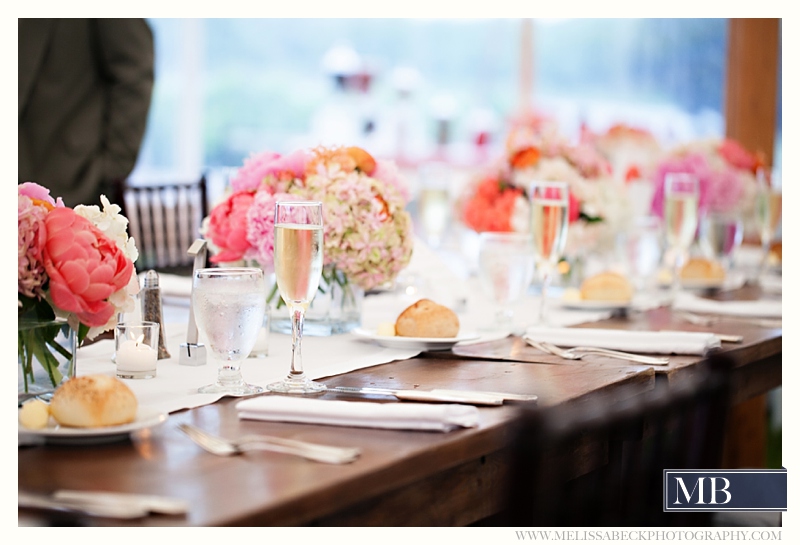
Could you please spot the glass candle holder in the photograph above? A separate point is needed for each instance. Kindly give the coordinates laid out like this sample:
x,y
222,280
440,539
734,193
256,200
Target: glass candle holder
x,y
136,352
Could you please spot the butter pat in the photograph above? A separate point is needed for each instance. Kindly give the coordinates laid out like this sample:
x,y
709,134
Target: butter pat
x,y
572,294
34,414
386,329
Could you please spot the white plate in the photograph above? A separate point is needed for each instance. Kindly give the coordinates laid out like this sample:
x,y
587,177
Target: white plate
x,y
55,433
580,304
420,343
700,284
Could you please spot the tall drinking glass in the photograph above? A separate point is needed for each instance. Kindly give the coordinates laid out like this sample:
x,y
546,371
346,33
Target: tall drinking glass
x,y
549,220
505,270
298,268
228,306
681,199
769,202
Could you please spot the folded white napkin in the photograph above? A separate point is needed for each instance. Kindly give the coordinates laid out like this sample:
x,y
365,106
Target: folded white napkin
x,y
173,285
766,308
401,416
653,342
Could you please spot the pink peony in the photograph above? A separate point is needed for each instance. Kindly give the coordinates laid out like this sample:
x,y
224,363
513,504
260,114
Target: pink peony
x,y
262,165
31,275
85,267
38,193
227,227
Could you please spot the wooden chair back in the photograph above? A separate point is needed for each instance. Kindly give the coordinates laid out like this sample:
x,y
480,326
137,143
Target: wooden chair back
x,y
165,219
676,427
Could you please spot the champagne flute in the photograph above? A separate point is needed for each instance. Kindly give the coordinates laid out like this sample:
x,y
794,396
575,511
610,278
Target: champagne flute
x,y
549,221
228,306
505,270
769,202
681,209
298,268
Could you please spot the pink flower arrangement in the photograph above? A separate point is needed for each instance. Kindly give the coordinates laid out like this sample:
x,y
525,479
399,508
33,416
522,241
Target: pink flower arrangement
x,y
368,233
724,169
74,264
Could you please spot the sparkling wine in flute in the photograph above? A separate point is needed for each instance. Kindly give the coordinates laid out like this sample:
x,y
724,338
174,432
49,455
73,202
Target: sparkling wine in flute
x,y
298,262
550,220
434,213
680,218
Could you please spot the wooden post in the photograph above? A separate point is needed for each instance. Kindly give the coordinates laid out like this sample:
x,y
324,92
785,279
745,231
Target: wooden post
x,y
752,83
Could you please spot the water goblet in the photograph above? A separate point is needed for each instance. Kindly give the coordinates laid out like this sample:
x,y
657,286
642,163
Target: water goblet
x,y
549,221
228,306
298,268
721,235
681,200
505,270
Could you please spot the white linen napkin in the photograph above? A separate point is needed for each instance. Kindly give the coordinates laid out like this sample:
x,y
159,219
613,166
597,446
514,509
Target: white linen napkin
x,y
766,308
401,416
653,342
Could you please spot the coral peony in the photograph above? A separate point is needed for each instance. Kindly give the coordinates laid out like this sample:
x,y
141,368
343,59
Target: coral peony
x,y
226,228
85,267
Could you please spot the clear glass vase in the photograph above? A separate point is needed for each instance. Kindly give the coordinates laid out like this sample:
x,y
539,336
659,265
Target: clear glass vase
x,y
336,308
45,356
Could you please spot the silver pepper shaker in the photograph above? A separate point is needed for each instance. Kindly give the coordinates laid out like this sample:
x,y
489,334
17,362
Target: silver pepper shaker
x,y
151,310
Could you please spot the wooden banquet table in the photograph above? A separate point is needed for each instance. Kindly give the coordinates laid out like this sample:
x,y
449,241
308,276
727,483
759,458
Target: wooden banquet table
x,y
403,478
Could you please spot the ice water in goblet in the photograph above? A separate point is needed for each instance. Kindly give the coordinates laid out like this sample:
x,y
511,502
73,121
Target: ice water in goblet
x,y
721,235
298,268
549,220
505,270
228,306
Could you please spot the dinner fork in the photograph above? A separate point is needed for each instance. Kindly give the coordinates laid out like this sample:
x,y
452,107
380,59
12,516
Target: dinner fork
x,y
312,451
577,352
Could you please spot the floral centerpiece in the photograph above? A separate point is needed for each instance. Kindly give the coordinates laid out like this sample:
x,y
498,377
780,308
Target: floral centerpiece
x,y
598,205
725,170
74,265
368,237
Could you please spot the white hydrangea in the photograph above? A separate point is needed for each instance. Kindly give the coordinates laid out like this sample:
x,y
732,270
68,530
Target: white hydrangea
x,y
113,224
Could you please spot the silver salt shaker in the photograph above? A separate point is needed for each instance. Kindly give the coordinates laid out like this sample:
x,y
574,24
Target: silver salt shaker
x,y
151,309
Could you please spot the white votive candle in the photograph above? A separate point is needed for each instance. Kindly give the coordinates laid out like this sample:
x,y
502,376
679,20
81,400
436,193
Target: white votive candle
x,y
136,356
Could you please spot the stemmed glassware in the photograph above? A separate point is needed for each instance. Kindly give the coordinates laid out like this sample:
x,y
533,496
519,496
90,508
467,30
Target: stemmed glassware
x,y
769,202
505,269
228,306
549,221
298,268
681,203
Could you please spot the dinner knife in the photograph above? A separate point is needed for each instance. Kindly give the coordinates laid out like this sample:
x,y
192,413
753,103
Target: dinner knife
x,y
151,503
448,396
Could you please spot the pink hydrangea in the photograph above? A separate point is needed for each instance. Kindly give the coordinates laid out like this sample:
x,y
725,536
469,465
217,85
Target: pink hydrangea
x,y
260,226
720,189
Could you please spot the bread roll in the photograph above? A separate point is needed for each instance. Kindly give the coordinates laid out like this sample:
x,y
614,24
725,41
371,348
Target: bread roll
x,y
427,319
700,268
607,286
93,401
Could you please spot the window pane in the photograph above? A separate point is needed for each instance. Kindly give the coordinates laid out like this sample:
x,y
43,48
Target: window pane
x,y
229,87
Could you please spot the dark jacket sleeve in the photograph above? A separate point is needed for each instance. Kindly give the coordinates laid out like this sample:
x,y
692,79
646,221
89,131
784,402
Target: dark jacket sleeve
x,y
127,62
